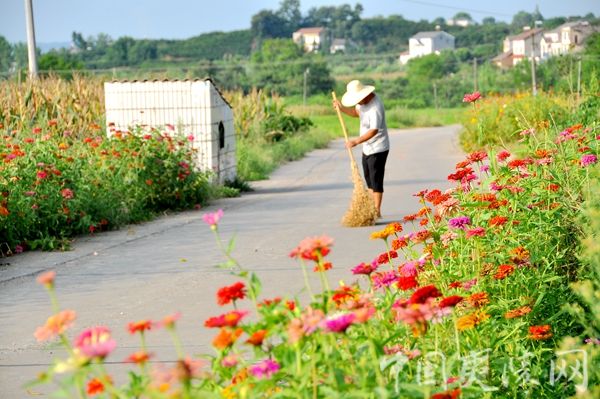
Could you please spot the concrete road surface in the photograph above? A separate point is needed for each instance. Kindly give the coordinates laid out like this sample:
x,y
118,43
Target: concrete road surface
x,y
151,270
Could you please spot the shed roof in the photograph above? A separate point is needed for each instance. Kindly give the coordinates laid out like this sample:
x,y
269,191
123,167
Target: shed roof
x,y
174,80
430,34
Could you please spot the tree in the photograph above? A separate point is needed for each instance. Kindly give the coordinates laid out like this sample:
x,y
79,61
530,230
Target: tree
x,y
289,11
279,65
6,55
78,41
268,25
463,15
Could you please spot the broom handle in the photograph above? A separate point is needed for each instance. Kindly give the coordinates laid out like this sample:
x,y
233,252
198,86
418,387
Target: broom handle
x,y
339,114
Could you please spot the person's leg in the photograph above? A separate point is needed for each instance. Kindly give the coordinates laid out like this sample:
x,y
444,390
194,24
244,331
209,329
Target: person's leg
x,y
377,173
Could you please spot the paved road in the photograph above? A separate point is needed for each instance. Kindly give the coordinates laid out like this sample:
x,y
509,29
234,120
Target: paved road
x,y
150,270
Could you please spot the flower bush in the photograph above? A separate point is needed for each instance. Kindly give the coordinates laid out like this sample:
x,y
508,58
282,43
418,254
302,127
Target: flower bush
x,y
472,296
55,184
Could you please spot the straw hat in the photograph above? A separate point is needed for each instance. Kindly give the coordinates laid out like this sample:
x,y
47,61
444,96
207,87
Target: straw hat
x,y
355,93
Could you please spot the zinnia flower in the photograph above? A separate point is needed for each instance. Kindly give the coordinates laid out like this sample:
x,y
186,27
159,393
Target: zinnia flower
x,y
139,357
424,293
364,268
518,312
540,332
212,218
588,159
478,299
94,387
47,278
503,272
257,338
226,337
230,319
95,342
139,326
476,232
407,282
67,193
338,323
231,293
460,222
471,97
311,248
471,320
55,325
450,301
264,369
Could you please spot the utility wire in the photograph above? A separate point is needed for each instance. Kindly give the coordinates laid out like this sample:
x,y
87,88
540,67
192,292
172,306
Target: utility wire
x,y
427,3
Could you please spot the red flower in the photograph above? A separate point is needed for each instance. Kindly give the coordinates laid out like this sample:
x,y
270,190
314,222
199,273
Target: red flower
x,y
398,243
450,301
498,221
540,332
503,272
94,387
453,394
424,293
139,326
477,156
407,282
231,293
386,257
502,155
471,97
230,319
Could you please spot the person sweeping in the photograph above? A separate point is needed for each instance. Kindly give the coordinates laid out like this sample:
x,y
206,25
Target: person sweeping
x,y
360,101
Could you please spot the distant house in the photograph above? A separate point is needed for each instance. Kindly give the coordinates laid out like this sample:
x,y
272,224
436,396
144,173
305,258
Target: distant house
x,y
338,46
425,43
310,39
566,38
464,22
516,48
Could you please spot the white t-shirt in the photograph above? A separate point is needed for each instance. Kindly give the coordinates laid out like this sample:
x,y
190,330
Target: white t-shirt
x,y
372,116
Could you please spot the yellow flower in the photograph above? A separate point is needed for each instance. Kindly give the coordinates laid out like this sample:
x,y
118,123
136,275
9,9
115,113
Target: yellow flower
x,y
471,320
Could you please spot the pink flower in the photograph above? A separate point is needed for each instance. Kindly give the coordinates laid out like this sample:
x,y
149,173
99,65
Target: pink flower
x,y
264,369
588,159
19,249
383,279
95,342
408,269
67,193
212,218
477,231
42,174
313,248
230,361
460,222
339,323
468,284
471,97
363,268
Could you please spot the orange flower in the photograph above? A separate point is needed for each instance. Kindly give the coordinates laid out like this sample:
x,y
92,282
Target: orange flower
x,y
55,325
498,221
311,248
230,319
4,211
344,294
503,272
478,299
47,278
257,338
139,357
518,312
520,255
139,326
225,338
540,332
471,320
453,394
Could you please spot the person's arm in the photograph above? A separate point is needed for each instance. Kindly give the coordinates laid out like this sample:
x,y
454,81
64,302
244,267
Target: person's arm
x,y
348,111
362,138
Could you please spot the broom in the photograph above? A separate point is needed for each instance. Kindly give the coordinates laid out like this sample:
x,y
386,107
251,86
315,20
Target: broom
x,y
362,211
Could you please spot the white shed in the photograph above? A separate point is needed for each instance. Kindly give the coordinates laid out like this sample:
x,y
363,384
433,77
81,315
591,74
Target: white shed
x,y
190,107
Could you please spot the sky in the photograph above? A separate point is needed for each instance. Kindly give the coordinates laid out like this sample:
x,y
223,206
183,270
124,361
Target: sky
x,y
55,20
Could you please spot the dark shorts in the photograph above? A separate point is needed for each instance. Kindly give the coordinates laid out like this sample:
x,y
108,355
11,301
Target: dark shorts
x,y
373,169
